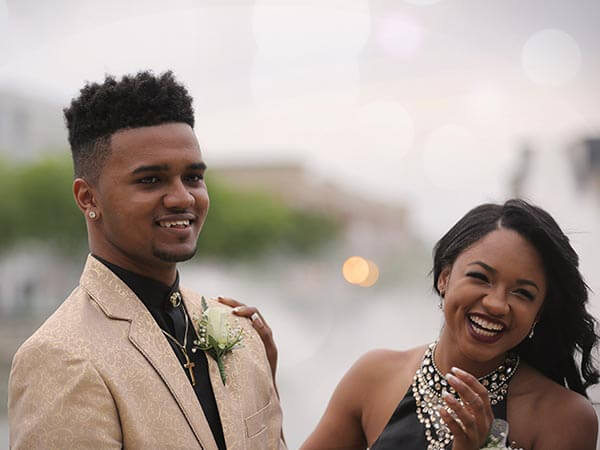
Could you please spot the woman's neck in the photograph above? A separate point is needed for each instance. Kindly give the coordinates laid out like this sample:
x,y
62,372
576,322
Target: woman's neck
x,y
447,354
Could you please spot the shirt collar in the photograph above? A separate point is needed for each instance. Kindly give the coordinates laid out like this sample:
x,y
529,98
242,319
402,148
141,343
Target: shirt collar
x,y
152,293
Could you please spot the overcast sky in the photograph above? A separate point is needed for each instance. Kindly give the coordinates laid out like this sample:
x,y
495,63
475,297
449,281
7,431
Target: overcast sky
x,y
422,102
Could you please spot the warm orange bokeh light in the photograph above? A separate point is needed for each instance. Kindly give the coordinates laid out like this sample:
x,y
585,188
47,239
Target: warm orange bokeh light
x,y
360,271
373,275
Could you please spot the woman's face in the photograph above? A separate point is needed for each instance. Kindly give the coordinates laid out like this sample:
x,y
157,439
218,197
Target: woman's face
x,y
492,295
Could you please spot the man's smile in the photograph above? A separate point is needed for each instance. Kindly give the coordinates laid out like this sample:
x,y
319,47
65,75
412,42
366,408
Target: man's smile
x,y
176,221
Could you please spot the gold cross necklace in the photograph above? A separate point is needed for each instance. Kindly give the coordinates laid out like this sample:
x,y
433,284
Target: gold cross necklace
x,y
189,365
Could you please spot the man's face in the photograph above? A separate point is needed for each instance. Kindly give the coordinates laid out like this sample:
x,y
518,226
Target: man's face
x,y
151,198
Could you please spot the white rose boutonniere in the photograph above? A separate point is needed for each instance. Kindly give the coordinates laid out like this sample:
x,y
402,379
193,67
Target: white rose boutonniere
x,y
217,336
496,439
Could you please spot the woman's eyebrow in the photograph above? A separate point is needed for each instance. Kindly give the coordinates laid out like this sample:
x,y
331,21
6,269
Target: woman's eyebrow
x,y
492,270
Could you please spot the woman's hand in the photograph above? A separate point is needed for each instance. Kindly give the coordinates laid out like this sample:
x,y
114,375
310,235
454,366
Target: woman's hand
x,y
474,415
260,325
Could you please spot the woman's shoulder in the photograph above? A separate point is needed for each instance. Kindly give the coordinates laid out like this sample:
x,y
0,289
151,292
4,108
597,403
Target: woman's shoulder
x,y
376,367
380,363
564,416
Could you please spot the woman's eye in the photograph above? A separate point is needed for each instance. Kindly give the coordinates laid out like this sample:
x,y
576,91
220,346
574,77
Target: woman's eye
x,y
524,293
479,276
149,180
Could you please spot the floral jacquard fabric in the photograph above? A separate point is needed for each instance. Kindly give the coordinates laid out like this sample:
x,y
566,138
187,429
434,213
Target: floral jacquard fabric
x,y
100,374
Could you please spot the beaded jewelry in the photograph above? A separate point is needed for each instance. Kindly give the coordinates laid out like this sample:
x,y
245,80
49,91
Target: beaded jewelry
x,y
429,383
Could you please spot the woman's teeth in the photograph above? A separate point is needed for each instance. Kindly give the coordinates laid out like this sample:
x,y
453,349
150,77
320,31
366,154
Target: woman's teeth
x,y
485,327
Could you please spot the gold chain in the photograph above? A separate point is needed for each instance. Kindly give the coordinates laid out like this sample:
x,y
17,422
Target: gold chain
x,y
189,365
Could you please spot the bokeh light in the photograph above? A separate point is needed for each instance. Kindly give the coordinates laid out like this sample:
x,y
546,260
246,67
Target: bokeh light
x,y
399,35
551,57
373,275
360,271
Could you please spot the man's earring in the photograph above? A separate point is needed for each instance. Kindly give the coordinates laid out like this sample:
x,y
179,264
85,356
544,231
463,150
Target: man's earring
x,y
92,215
530,335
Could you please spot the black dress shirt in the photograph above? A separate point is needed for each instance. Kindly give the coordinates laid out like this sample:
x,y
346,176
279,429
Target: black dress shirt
x,y
156,297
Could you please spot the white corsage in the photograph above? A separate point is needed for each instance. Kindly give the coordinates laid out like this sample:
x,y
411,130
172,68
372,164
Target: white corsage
x,y
216,335
496,439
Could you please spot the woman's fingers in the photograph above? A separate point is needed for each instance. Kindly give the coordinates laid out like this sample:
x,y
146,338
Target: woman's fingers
x,y
259,324
472,415
478,393
229,302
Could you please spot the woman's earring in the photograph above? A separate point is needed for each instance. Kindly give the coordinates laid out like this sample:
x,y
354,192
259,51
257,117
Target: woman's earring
x,y
442,294
530,335
92,215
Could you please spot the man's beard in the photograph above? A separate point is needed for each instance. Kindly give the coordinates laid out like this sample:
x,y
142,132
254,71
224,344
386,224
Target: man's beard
x,y
172,257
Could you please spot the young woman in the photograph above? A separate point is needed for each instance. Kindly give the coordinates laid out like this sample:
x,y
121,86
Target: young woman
x,y
515,314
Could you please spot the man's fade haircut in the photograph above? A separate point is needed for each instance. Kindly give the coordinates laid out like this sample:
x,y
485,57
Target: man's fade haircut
x,y
101,110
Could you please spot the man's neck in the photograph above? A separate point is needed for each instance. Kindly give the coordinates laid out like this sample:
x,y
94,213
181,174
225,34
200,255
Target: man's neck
x,y
161,271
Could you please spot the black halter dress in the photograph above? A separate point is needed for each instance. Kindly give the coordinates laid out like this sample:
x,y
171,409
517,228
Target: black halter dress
x,y
404,431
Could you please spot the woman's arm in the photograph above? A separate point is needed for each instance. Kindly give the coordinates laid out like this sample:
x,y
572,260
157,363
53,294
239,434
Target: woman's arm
x,y
341,424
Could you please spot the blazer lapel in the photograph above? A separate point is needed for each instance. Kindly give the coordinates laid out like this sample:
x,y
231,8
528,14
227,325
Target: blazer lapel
x,y
227,395
118,302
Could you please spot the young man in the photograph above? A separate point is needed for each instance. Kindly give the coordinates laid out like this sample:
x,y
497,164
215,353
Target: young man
x,y
115,366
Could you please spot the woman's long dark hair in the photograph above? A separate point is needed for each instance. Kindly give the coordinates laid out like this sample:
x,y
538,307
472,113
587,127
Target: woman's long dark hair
x,y
565,327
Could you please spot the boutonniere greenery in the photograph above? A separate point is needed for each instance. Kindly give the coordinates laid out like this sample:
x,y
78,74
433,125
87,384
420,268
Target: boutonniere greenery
x,y
217,335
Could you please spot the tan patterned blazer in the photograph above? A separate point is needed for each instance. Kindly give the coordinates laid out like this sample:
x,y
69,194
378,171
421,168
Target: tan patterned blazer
x,y
100,374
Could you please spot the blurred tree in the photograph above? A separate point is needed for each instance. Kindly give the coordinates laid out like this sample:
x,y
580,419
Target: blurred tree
x,y
243,224
36,204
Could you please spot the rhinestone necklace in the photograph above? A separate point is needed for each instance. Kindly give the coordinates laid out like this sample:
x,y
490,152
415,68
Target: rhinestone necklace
x,y
429,383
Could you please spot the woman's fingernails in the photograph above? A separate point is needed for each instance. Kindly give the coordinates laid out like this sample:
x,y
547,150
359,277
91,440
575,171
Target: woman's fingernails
x,y
259,323
237,309
458,371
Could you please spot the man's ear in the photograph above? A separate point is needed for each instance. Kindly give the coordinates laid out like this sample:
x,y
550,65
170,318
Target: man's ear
x,y
442,281
85,198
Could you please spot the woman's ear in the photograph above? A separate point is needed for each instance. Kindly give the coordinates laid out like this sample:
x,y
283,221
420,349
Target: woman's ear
x,y
442,281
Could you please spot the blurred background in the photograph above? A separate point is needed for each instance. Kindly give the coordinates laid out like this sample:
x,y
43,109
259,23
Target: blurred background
x,y
332,129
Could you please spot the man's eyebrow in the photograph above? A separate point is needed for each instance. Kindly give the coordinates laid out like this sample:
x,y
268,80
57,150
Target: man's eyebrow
x,y
197,166
165,167
151,168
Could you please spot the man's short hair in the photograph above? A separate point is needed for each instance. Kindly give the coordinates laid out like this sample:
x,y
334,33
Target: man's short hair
x,y
139,100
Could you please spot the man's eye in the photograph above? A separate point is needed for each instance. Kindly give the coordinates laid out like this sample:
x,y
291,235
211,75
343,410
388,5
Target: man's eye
x,y
195,178
479,276
149,180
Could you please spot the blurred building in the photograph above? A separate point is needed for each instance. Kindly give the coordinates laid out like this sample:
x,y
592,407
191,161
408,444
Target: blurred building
x,y
585,158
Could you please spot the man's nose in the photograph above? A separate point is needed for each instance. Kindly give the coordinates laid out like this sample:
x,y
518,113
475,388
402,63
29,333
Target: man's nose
x,y
178,196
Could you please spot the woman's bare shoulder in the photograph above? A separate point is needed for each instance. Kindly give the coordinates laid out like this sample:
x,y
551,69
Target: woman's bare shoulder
x,y
379,363
565,418
365,384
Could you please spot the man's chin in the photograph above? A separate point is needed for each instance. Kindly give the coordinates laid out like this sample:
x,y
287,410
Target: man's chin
x,y
172,256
